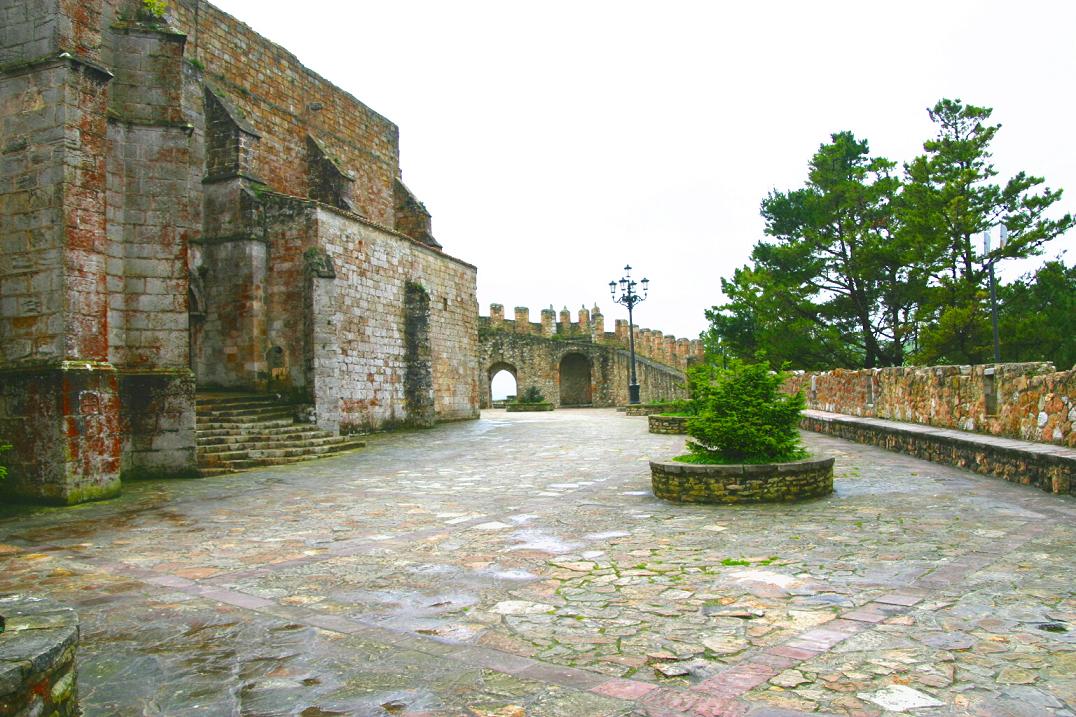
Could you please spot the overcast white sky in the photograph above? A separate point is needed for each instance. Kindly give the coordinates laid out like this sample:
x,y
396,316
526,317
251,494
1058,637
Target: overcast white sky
x,y
554,142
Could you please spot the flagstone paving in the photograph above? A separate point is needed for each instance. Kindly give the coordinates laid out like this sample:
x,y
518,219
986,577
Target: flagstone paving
x,y
519,565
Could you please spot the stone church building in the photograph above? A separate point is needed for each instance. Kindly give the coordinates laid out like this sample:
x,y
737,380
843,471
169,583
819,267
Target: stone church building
x,y
183,205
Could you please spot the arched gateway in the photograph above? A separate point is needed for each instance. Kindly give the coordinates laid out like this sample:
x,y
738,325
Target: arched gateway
x,y
575,386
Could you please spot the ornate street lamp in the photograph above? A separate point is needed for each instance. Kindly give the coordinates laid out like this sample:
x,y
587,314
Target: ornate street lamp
x,y
629,298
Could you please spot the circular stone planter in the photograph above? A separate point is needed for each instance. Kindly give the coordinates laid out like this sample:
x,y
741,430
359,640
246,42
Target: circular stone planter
x,y
748,483
668,424
527,407
37,658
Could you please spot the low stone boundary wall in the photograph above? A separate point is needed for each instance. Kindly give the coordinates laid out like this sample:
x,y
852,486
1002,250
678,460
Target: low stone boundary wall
x,y
1023,401
765,483
668,424
1047,467
527,407
37,658
645,409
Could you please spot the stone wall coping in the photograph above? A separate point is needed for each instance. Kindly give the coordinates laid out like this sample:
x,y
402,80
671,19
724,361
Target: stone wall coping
x,y
951,435
748,470
36,634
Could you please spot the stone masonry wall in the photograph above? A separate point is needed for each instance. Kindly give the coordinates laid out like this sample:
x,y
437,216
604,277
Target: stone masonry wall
x,y
372,269
284,102
1029,401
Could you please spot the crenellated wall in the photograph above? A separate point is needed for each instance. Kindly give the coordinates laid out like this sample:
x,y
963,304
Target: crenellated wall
x,y
578,362
590,325
1029,401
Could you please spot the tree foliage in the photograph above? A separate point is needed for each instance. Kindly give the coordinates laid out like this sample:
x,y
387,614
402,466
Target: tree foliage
x,y
744,417
862,267
1038,317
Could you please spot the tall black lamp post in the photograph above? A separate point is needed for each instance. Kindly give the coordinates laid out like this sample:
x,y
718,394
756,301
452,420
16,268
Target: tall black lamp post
x,y
629,298
993,287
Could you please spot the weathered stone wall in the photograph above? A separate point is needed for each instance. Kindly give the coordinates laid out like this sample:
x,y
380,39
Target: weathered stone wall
x,y
179,193
1029,401
535,360
285,102
372,268
37,658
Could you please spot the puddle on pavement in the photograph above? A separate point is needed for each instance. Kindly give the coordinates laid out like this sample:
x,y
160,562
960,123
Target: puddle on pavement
x,y
542,543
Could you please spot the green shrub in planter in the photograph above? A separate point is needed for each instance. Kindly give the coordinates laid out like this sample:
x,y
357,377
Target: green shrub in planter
x,y
531,395
743,417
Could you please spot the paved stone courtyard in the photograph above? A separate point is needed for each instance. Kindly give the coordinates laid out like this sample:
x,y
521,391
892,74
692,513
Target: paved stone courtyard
x,y
518,565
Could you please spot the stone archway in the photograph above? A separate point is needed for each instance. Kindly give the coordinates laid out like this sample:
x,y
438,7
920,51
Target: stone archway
x,y
494,370
575,380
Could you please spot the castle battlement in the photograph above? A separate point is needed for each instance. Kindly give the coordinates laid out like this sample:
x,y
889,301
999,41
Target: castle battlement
x,y
589,325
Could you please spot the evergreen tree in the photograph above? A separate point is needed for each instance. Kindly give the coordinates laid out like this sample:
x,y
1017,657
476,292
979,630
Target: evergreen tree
x,y
949,199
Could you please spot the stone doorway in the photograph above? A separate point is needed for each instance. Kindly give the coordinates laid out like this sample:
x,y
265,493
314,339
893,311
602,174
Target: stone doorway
x,y
575,386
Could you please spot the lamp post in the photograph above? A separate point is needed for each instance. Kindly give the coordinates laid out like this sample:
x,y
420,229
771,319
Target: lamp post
x,y
1004,235
629,298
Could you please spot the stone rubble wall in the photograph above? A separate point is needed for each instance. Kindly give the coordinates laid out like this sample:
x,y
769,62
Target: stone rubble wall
x,y
1027,401
1048,468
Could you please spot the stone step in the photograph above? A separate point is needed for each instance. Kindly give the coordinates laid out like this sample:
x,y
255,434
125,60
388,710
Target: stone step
x,y
231,457
247,463
262,410
230,399
325,439
238,437
250,426
252,431
276,414
242,431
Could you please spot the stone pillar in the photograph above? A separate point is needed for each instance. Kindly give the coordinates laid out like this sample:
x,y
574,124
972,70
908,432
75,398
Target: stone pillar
x,y
549,320
669,351
59,402
657,343
621,329
565,325
496,315
523,319
584,320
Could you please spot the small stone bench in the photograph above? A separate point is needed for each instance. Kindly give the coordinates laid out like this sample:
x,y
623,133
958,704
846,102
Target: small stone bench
x,y
1046,466
37,658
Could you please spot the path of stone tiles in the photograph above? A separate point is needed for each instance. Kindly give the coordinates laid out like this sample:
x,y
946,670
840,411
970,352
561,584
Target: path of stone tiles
x,y
519,565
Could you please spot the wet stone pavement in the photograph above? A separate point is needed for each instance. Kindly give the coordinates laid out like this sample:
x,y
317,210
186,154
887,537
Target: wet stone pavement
x,y
519,565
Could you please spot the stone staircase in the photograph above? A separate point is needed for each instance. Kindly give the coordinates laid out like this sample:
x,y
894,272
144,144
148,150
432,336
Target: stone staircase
x,y
240,431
